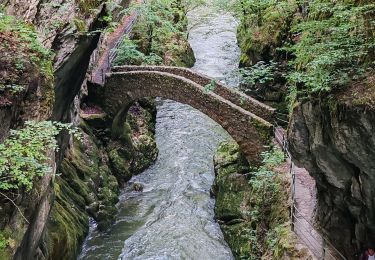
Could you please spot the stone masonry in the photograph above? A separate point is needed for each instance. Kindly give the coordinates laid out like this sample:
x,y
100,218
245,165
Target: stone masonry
x,y
244,118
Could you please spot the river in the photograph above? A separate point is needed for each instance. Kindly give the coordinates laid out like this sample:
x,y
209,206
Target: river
x,y
173,218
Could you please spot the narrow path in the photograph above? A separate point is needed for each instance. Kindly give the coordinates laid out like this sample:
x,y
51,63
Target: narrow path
x,y
113,41
304,207
304,202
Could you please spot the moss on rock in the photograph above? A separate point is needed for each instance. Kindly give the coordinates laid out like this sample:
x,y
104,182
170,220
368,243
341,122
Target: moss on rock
x,y
252,206
67,227
85,188
232,193
239,237
90,175
119,158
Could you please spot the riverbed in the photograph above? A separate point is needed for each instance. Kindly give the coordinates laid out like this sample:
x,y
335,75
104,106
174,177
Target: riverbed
x,y
173,217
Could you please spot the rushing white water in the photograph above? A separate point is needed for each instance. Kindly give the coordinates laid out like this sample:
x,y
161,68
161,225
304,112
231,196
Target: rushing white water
x,y
213,39
173,218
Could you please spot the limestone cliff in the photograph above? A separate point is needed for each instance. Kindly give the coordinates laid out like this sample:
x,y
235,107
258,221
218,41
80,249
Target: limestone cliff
x,y
333,138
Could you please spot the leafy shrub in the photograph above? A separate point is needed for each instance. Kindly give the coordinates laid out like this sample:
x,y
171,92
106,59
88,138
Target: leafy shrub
x,y
268,196
86,6
280,240
3,242
333,46
159,34
273,157
20,47
210,86
265,183
28,38
128,54
23,155
261,72
262,27
329,44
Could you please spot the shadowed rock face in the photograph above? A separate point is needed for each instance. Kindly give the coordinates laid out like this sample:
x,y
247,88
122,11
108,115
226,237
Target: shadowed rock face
x,y
56,30
249,130
337,146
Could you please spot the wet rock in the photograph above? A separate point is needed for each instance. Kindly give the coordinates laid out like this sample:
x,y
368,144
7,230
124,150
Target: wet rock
x,y
137,186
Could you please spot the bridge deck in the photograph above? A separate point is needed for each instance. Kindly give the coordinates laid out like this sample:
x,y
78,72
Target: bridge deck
x,y
236,97
247,126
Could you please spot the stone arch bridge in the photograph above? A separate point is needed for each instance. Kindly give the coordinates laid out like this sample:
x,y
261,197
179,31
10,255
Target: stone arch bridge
x,y
244,118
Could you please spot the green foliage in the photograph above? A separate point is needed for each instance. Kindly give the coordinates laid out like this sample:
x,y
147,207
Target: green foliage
x,y
280,240
272,157
335,42
261,202
291,98
3,242
261,72
86,6
262,26
267,196
13,88
159,33
23,155
266,190
79,24
210,86
128,54
23,37
330,43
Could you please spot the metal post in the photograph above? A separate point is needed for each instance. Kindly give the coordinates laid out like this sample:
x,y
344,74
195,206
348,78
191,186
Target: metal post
x,y
324,245
293,193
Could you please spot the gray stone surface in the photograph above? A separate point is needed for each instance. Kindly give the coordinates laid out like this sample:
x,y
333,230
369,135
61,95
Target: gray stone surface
x,y
336,144
249,130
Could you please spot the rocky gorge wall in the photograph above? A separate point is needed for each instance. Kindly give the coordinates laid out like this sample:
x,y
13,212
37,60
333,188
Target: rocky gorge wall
x,y
90,171
334,140
331,128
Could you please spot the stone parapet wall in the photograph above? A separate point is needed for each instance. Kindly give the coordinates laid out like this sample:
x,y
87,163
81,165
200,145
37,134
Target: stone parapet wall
x,y
122,89
236,97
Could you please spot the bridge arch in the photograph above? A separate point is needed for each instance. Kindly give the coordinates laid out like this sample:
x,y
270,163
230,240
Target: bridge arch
x,y
122,89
